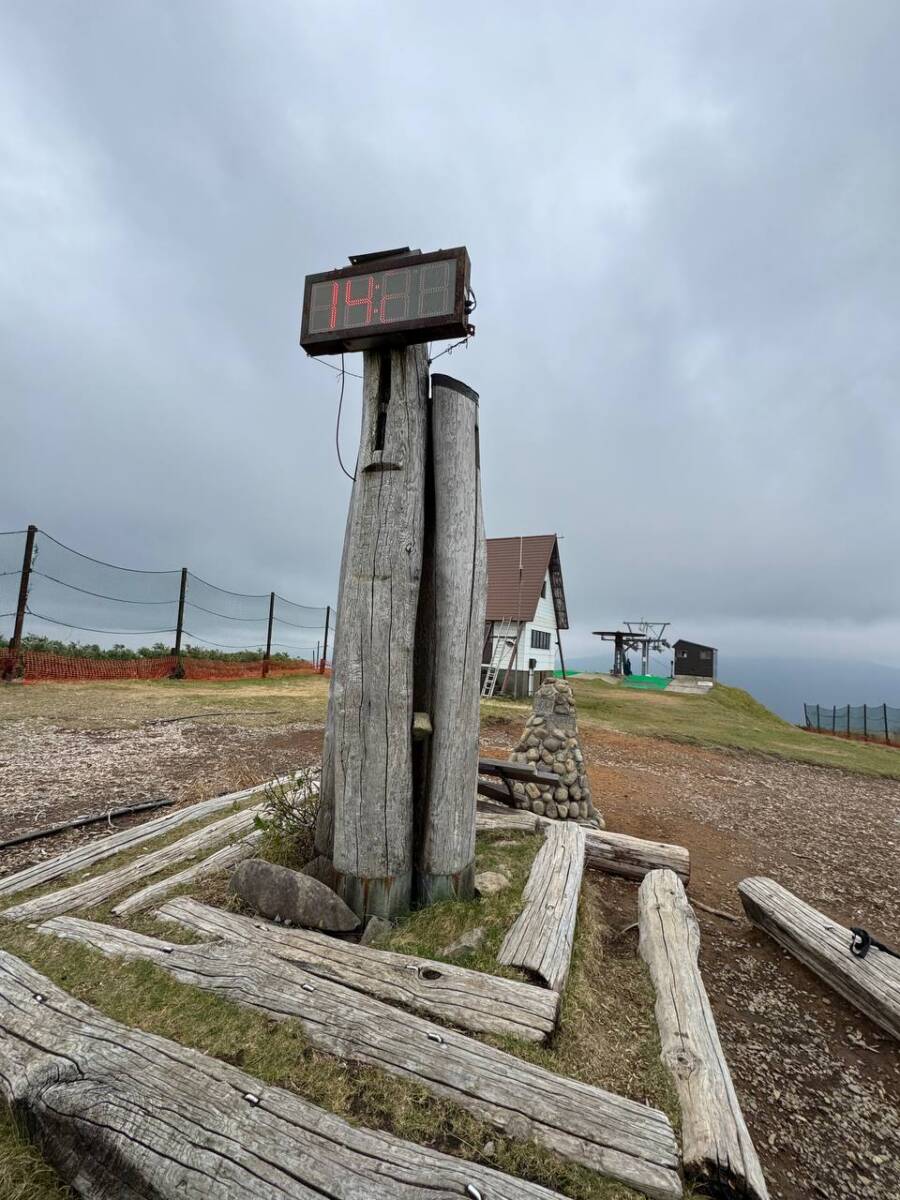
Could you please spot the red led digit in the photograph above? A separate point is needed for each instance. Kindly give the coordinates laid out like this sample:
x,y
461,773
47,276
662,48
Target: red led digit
x,y
386,316
351,301
438,290
323,307
335,292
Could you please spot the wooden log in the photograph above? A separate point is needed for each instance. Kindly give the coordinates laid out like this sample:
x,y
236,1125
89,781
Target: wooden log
x,y
632,857
91,852
540,941
368,753
871,984
613,853
467,999
717,1150
449,637
98,888
125,1114
222,860
516,821
607,1133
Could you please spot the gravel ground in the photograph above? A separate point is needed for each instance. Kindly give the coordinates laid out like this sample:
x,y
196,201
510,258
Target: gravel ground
x,y
50,774
819,1083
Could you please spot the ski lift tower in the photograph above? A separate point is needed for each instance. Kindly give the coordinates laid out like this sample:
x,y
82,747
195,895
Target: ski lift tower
x,y
650,634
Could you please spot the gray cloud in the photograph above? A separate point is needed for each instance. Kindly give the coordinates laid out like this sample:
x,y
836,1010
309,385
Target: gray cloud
x,y
683,226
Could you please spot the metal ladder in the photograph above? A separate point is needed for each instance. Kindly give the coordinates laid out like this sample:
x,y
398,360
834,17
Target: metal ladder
x,y
496,664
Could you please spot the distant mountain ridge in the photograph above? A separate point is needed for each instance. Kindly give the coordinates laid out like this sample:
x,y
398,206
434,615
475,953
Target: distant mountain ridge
x,y
785,684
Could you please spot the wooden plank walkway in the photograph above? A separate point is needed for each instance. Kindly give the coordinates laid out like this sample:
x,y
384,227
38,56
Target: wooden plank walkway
x,y
540,941
717,1150
86,855
610,1134
98,888
871,984
122,1113
467,999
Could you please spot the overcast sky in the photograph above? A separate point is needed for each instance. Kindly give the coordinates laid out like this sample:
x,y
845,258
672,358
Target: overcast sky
x,y
684,225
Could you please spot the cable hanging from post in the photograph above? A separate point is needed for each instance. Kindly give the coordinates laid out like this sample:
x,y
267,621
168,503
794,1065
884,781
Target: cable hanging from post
x,y
86,592
337,426
89,629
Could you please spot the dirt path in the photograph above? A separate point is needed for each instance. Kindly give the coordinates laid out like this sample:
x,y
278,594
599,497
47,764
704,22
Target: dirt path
x,y
819,1083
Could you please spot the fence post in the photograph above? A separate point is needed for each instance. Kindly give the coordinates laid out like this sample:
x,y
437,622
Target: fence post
x,y
818,718
24,578
834,718
265,666
848,721
887,732
325,642
865,722
178,669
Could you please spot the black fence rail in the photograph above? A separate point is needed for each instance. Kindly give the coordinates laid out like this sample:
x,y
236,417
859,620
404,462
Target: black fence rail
x,y
871,722
50,591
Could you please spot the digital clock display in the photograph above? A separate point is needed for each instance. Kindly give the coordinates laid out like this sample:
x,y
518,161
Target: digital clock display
x,y
393,300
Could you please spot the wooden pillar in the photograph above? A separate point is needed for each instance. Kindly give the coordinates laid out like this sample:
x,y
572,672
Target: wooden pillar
x,y
449,641
367,763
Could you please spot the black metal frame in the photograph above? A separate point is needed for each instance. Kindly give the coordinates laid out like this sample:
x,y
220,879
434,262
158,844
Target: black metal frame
x,y
397,333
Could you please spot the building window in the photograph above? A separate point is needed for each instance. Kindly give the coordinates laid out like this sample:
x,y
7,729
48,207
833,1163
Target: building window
x,y
706,654
544,590
540,639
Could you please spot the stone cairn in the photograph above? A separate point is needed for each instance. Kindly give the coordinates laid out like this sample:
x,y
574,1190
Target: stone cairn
x,y
550,742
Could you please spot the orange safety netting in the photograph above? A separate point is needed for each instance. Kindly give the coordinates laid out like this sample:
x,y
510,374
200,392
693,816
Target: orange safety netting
x,y
36,666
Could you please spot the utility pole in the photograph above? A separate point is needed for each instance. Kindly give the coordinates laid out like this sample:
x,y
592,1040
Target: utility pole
x,y
325,642
178,669
24,579
268,655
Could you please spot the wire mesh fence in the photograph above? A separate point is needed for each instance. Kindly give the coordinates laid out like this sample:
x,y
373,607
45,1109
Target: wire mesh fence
x,y
81,617
871,722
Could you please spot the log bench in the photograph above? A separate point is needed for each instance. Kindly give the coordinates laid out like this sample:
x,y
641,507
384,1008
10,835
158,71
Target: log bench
x,y
540,942
468,999
610,1134
613,853
872,983
718,1152
507,772
119,1112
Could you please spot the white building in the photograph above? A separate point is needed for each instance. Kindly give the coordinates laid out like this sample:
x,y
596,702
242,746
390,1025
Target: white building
x,y
526,609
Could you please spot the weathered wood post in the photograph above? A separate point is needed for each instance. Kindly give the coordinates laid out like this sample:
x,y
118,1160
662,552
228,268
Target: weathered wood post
x,y
448,647
367,791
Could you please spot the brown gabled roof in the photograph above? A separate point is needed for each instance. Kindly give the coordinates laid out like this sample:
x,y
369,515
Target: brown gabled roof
x,y
514,595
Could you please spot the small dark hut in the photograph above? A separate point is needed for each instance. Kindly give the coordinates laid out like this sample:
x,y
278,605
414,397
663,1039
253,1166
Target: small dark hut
x,y
693,659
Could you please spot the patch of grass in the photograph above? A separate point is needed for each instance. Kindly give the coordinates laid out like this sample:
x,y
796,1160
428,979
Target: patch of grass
x,y
725,717
23,1173
607,1035
128,703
